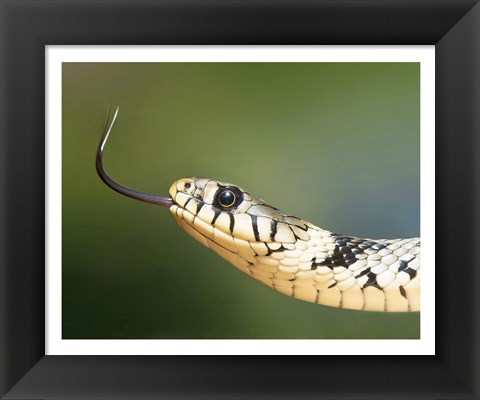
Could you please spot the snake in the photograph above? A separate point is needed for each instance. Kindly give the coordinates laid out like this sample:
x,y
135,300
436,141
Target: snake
x,y
285,253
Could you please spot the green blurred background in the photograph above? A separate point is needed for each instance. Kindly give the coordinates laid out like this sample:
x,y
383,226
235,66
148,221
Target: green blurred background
x,y
337,144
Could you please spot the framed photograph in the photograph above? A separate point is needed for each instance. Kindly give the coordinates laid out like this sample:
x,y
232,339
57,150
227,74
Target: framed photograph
x,y
353,109
311,161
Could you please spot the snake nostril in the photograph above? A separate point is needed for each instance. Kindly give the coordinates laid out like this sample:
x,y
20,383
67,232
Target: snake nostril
x,y
187,185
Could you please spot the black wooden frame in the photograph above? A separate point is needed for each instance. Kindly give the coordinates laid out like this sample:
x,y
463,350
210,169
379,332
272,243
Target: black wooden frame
x,y
27,26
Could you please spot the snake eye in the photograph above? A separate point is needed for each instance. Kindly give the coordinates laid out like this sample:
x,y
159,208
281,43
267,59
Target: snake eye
x,y
228,197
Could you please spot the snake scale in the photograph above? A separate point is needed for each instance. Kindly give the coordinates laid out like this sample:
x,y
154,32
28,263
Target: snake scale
x,y
286,253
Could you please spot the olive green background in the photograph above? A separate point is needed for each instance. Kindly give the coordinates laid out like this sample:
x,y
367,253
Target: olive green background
x,y
337,144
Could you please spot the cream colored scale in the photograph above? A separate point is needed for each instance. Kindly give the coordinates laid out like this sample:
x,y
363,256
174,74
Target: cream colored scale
x,y
285,253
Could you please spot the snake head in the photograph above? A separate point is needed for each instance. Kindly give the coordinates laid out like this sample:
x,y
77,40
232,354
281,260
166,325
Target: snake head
x,y
221,214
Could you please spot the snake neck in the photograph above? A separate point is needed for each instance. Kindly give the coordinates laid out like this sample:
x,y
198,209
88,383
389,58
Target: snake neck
x,y
327,268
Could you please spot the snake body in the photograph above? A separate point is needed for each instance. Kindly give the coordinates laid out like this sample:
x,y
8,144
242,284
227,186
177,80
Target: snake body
x,y
286,253
295,257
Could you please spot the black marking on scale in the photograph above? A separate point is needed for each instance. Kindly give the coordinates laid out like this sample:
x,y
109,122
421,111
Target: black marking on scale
x,y
294,222
403,266
315,265
217,214
188,201
332,285
273,229
255,227
372,281
303,228
364,272
402,292
232,222
379,246
411,272
279,250
200,206
294,234
250,245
